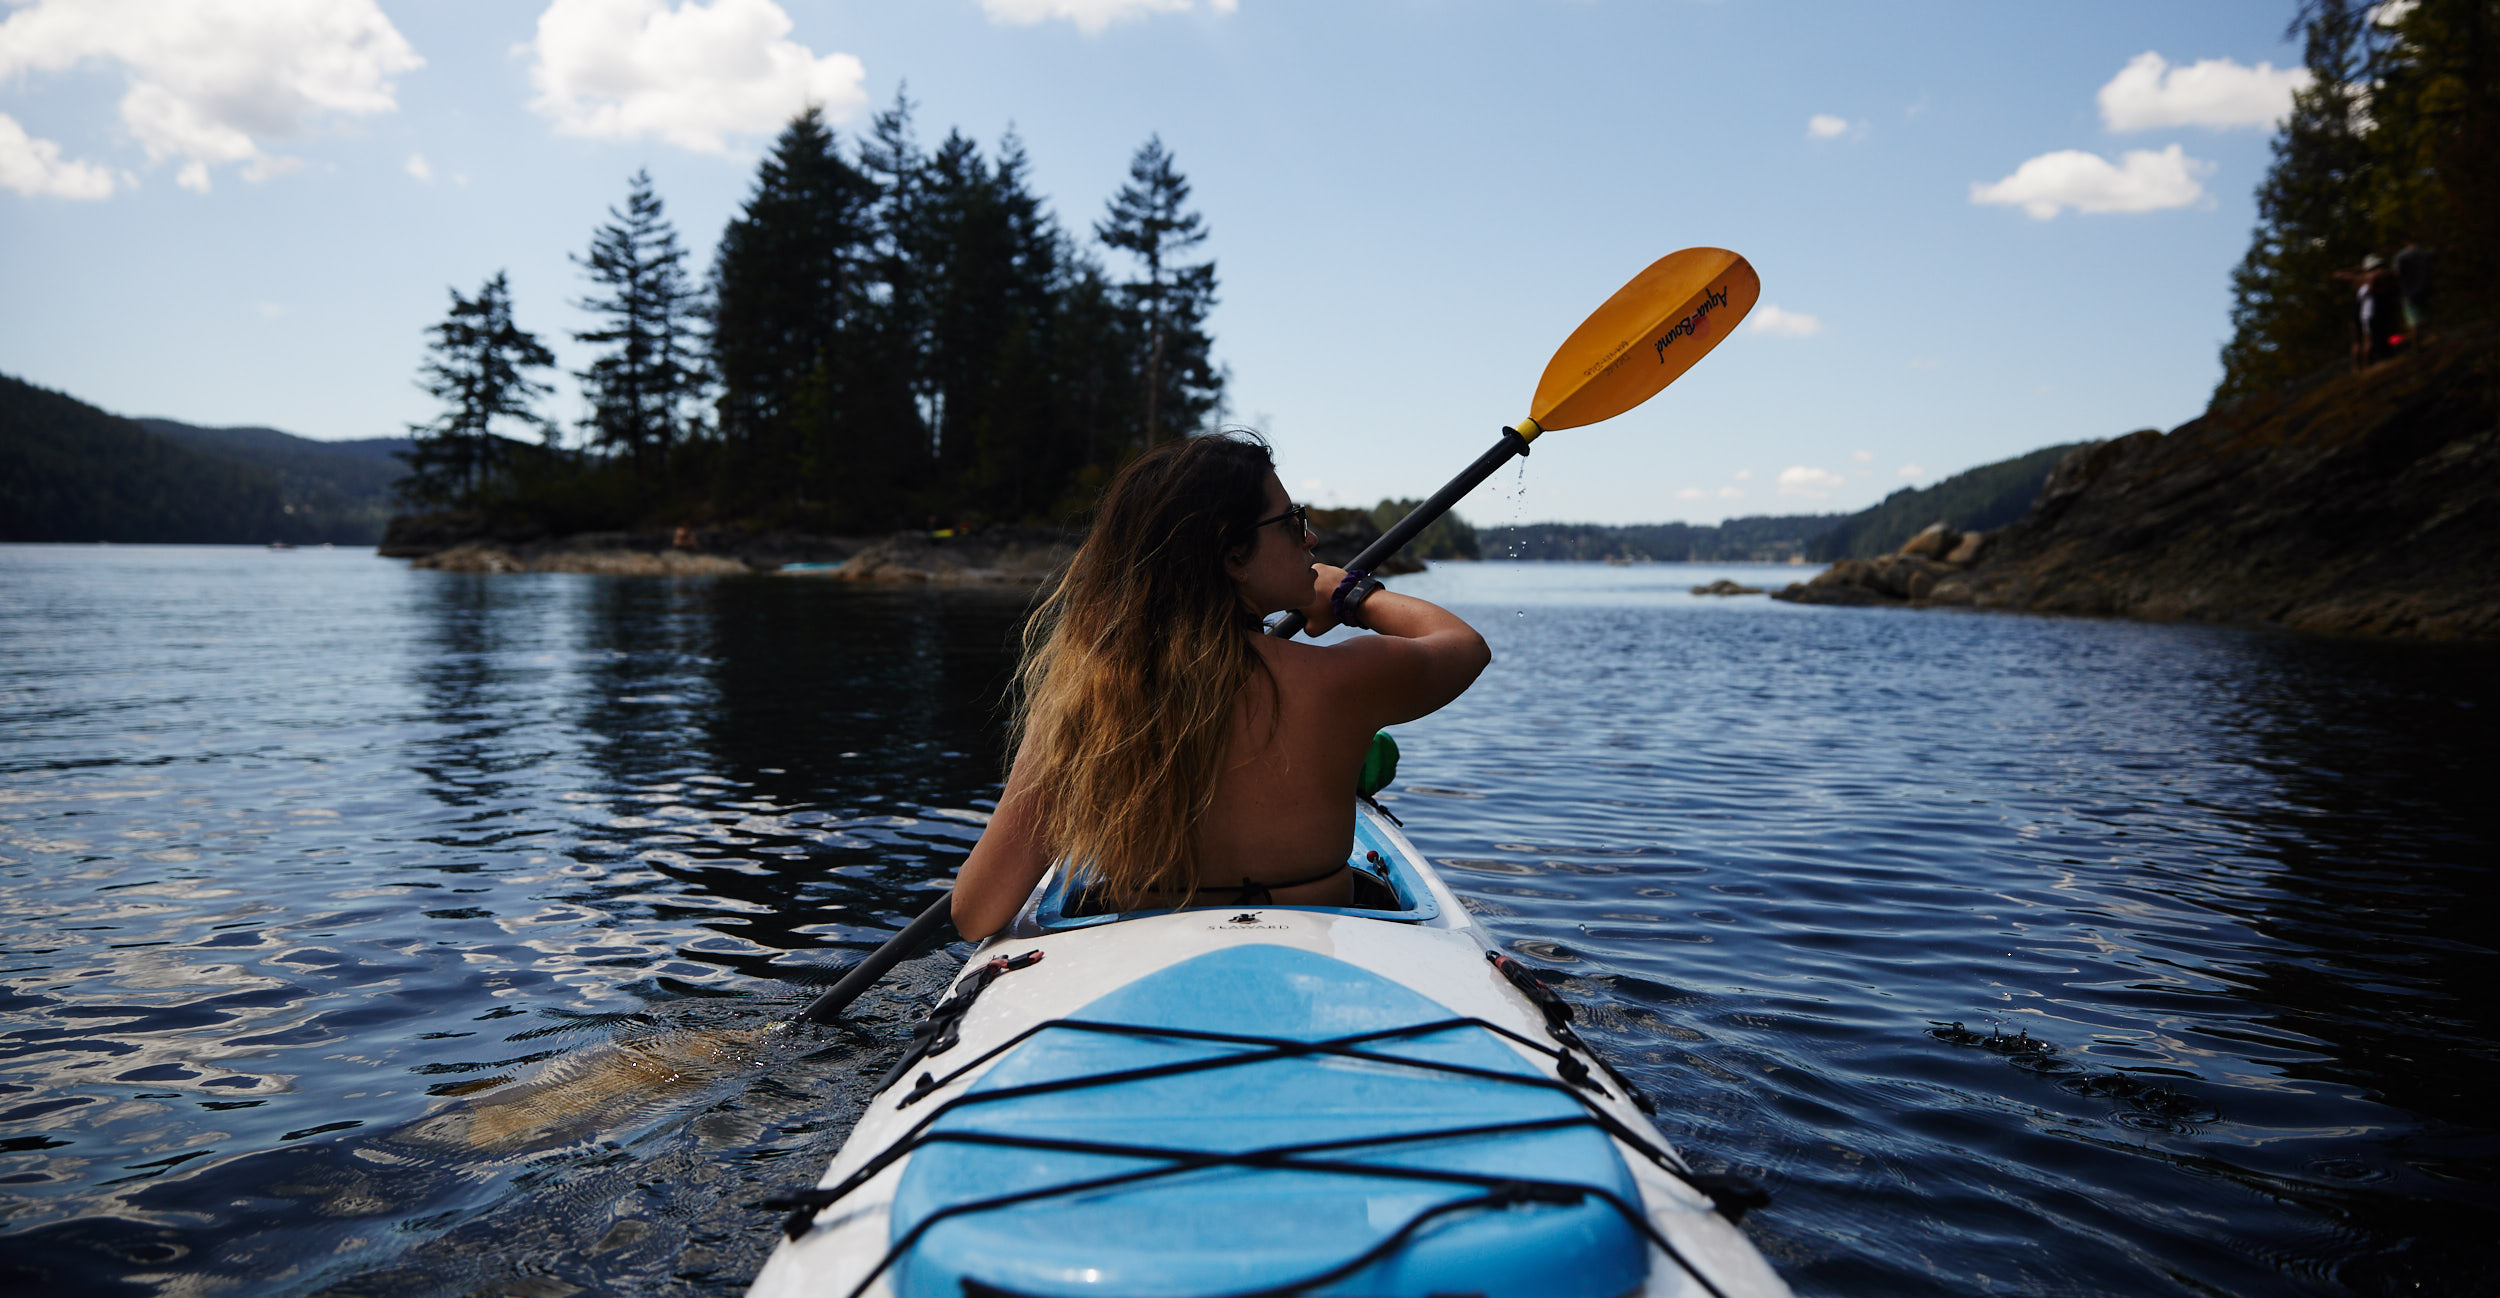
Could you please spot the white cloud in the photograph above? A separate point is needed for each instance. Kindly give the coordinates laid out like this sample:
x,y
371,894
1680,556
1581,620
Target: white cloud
x,y
1091,16
271,310
1742,475
2143,181
31,166
419,168
1911,471
211,80
1824,126
1784,324
1731,493
1692,493
692,73
1862,457
1811,483
2149,93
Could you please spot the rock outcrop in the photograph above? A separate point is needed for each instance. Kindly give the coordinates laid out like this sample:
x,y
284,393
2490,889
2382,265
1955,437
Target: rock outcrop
x,y
1003,556
487,556
2366,504
1725,587
989,557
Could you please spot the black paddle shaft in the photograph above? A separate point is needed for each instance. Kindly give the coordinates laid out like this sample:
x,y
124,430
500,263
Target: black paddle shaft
x,y
1423,516
862,976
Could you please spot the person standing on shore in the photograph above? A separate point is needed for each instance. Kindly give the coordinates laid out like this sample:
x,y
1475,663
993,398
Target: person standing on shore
x,y
2377,309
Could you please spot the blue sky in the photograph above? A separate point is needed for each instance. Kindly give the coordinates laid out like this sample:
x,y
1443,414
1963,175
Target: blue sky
x,y
1984,228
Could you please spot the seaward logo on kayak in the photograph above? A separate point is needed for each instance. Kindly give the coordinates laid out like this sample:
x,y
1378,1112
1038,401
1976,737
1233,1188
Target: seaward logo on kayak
x,y
1247,921
1696,324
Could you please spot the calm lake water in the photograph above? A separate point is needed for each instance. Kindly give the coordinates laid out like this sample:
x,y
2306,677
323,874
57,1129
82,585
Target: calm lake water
x,y
374,931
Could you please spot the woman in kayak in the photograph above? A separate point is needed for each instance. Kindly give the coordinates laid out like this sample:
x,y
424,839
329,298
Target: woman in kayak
x,y
1162,740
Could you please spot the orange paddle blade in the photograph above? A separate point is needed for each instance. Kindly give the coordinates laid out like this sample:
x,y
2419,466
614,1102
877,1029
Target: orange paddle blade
x,y
1645,337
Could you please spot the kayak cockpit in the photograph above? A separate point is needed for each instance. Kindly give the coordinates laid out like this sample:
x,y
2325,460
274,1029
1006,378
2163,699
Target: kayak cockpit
x,y
1060,905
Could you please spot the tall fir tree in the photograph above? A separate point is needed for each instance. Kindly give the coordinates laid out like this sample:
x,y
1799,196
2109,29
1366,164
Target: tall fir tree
x,y
2289,314
2391,143
641,389
987,259
2434,101
479,368
785,289
885,368
1149,219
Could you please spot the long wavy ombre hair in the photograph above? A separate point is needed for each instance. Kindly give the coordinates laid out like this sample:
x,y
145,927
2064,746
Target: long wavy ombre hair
x,y
1134,662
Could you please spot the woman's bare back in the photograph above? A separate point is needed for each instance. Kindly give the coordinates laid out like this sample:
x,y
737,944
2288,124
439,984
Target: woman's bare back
x,y
1284,799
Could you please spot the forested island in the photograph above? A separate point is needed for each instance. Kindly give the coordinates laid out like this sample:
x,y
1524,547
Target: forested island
x,y
889,336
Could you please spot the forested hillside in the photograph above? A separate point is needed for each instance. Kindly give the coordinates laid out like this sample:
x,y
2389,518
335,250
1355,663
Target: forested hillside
x,y
1975,500
71,472
344,488
1763,539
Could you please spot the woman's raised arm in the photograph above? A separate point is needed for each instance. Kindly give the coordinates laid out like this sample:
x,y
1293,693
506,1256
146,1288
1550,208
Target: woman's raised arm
x,y
1423,656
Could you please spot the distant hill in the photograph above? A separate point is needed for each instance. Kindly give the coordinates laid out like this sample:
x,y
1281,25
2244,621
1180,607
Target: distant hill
x,y
1976,500
344,485
1989,496
71,472
1765,538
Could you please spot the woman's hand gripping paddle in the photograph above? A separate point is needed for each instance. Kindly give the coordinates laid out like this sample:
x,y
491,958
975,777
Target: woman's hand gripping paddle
x,y
1628,350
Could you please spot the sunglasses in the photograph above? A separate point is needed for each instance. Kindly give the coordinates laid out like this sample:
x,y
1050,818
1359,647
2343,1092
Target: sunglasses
x,y
1300,514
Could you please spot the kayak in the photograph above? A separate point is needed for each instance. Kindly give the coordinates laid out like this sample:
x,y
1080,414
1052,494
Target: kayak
x,y
1259,1099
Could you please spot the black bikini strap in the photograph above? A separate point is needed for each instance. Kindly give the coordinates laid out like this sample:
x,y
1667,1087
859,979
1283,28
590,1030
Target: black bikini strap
x,y
1254,893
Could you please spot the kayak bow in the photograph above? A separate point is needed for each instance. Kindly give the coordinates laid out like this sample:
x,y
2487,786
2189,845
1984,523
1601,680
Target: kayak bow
x,y
1257,1100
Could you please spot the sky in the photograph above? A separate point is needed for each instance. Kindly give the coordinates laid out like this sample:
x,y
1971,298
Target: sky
x,y
1981,229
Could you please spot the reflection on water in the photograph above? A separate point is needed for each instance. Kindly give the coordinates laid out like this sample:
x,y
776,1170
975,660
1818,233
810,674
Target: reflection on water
x,y
380,931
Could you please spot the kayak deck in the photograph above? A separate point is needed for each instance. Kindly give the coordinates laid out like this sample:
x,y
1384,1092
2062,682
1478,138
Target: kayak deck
x,y
1373,1171
1137,1104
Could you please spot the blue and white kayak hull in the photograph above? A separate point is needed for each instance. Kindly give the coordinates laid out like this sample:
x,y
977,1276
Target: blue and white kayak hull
x,y
1228,1101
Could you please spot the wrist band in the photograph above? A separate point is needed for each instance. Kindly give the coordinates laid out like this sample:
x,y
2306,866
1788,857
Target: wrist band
x,y
1348,601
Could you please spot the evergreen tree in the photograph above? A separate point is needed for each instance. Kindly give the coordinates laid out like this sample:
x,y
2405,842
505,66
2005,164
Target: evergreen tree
x,y
2434,75
479,370
1148,220
987,261
2391,142
2289,315
887,361
639,391
785,289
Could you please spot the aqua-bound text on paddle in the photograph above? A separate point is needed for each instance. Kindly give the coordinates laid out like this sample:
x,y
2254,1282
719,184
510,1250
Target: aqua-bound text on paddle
x,y
1692,324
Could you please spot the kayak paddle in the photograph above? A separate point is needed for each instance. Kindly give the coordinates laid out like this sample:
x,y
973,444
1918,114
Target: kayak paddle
x,y
1628,350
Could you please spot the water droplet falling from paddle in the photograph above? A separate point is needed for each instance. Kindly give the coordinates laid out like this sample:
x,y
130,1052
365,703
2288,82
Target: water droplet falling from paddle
x,y
1519,516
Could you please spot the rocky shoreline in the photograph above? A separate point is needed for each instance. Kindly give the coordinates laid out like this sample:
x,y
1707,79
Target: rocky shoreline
x,y
1020,558
2365,504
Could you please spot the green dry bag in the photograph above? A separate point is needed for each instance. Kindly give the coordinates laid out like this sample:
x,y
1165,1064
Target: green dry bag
x,y
1380,765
